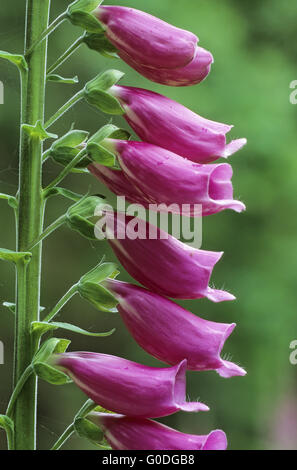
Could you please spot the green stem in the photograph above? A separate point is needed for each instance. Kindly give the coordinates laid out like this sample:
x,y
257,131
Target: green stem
x,y
18,389
46,155
70,293
64,437
10,438
30,221
66,54
87,407
47,32
66,170
51,228
75,99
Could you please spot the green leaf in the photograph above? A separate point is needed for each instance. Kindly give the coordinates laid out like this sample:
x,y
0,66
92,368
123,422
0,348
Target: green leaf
x,y
6,423
43,327
100,154
38,131
58,79
16,59
50,374
15,256
88,430
51,346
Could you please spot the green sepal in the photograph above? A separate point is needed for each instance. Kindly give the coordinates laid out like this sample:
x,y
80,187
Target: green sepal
x,y
41,328
99,297
90,289
16,59
109,131
104,81
96,92
80,14
58,79
15,256
37,131
101,272
88,430
100,154
51,346
78,215
83,226
67,147
72,138
100,43
6,423
64,155
11,200
105,102
50,374
85,207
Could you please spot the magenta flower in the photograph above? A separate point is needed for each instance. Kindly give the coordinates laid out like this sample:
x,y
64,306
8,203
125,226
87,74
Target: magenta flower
x,y
116,181
168,124
146,39
125,433
170,333
162,177
191,74
129,388
160,262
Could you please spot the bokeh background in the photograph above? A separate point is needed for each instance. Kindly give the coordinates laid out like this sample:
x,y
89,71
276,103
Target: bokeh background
x,y
254,46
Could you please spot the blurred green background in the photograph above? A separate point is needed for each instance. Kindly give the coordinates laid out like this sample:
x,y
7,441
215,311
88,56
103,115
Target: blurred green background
x,y
254,46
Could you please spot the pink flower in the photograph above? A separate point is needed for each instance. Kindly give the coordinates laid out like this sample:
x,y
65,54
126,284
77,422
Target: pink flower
x,y
191,74
160,262
126,387
168,124
146,39
170,333
153,175
125,433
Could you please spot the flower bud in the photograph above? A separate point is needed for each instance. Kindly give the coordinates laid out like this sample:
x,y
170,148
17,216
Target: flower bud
x,y
126,433
126,387
146,39
168,124
170,333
